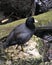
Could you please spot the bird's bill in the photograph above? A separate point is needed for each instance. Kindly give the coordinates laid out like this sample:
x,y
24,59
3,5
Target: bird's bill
x,y
36,21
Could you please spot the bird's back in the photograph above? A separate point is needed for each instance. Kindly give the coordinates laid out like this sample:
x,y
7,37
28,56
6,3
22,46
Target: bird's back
x,y
23,32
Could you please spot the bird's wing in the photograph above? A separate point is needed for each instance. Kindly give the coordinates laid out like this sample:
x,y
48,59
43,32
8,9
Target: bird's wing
x,y
22,29
22,32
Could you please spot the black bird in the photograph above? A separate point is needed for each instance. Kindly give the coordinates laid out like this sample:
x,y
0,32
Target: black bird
x,y
21,33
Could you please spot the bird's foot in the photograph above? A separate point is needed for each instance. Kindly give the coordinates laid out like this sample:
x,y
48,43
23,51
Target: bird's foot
x,y
22,48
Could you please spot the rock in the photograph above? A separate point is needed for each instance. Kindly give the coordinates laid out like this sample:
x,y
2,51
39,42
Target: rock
x,y
2,62
30,50
8,62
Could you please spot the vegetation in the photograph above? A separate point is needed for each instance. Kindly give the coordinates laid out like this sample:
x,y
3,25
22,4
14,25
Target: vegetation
x,y
43,19
8,57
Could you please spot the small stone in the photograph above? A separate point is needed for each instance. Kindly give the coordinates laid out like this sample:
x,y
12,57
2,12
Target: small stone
x,y
8,62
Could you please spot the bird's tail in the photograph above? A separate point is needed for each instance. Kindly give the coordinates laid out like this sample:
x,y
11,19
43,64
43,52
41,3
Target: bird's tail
x,y
3,39
5,45
2,45
3,42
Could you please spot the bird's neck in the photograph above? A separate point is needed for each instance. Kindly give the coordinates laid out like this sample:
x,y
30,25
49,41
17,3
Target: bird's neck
x,y
30,26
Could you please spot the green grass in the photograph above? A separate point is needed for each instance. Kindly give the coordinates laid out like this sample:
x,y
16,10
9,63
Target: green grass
x,y
42,18
6,28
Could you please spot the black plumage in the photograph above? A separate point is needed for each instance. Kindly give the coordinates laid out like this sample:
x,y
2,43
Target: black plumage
x,y
21,33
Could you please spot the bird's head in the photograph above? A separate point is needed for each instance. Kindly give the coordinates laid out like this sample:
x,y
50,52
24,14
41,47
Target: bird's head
x,y
30,23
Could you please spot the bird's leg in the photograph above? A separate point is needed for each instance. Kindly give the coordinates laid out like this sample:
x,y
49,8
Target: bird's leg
x,y
22,48
17,47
